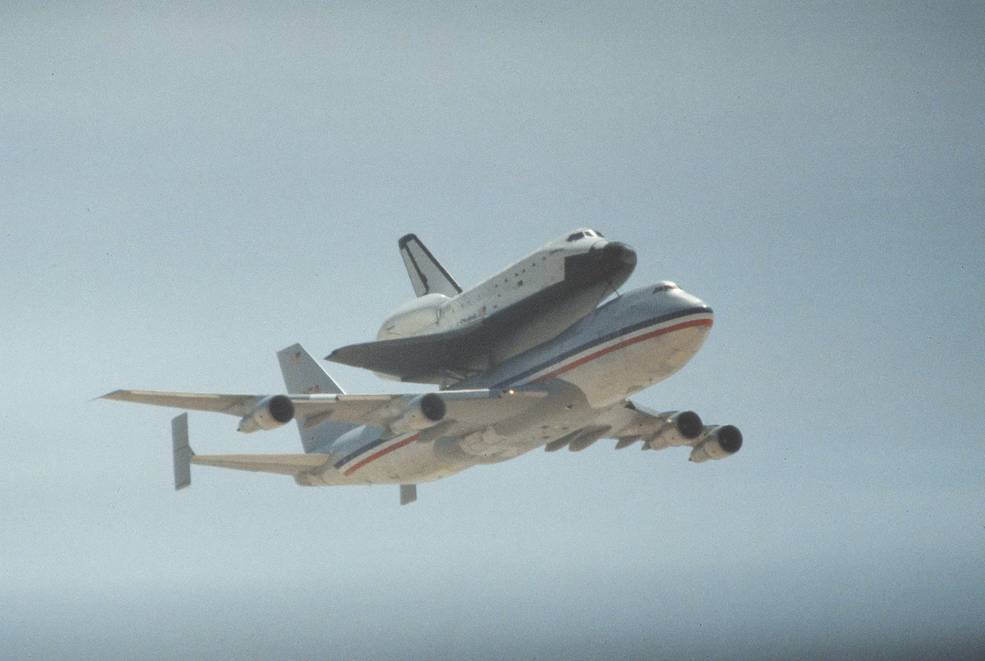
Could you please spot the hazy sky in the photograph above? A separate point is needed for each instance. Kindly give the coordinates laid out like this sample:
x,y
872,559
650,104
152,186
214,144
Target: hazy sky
x,y
184,191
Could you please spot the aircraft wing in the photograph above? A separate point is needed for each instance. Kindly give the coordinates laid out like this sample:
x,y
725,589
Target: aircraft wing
x,y
466,409
238,405
630,422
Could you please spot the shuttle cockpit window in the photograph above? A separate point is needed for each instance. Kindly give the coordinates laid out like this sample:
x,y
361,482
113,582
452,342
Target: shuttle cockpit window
x,y
576,236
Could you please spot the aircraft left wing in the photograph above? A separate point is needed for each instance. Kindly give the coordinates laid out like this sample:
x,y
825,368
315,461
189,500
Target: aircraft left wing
x,y
459,410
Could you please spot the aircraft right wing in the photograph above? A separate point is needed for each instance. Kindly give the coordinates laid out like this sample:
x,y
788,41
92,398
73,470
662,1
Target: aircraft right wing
x,y
631,422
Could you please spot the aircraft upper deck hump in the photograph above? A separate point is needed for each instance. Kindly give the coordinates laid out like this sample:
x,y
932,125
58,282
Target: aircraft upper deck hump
x,y
426,273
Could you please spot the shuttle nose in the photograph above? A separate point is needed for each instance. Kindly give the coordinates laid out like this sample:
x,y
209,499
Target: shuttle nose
x,y
609,262
617,253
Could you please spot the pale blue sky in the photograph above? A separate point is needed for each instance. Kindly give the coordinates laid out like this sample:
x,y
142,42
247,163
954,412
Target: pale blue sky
x,y
185,191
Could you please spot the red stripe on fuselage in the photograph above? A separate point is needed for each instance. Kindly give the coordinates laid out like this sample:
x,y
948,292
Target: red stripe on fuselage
x,y
380,453
623,344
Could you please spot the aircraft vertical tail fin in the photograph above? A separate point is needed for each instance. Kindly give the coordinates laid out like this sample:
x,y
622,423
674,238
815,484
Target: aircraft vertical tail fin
x,y
302,375
427,275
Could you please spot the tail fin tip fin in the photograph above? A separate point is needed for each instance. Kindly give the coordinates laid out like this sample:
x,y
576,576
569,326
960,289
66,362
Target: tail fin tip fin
x,y
182,452
426,273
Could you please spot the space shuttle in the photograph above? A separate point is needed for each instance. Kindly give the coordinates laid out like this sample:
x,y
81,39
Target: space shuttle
x,y
447,334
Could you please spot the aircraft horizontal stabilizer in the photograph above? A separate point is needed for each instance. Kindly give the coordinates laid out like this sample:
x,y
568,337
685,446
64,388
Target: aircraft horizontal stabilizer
x,y
282,464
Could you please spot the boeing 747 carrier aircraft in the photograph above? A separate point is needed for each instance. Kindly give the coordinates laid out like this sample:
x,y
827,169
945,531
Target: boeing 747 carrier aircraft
x,y
531,357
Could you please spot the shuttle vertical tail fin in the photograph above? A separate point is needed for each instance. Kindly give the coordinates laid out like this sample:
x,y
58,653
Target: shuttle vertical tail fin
x,y
302,375
426,274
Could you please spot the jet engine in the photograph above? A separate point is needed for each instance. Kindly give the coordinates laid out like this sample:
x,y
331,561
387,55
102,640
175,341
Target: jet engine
x,y
422,412
717,443
270,413
680,428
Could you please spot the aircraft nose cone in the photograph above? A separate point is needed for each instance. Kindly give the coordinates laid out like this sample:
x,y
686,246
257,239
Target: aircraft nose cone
x,y
618,253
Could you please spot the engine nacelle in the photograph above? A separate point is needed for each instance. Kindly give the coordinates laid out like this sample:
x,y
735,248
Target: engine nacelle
x,y
681,428
717,443
270,413
422,413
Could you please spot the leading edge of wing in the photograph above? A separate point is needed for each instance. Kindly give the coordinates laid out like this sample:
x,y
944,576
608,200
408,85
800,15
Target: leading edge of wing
x,y
465,406
218,403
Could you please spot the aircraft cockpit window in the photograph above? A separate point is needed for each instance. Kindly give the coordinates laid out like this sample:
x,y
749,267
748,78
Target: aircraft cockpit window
x,y
664,286
576,236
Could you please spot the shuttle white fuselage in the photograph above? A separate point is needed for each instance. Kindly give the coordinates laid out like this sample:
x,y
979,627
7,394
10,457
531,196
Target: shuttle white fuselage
x,y
524,305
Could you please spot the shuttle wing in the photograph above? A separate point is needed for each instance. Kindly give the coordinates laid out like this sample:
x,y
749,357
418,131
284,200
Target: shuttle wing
x,y
464,350
423,357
